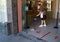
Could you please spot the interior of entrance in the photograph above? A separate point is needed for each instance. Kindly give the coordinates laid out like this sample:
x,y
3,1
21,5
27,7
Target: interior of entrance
x,y
32,11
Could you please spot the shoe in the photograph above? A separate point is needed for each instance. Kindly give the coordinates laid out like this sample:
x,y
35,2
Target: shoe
x,y
41,26
45,25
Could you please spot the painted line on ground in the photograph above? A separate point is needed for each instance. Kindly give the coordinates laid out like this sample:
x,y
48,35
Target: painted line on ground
x,y
56,37
45,35
37,32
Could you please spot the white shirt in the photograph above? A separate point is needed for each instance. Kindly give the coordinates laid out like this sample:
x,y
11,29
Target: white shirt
x,y
41,14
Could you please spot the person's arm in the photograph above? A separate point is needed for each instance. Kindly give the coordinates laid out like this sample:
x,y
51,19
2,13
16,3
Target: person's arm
x,y
38,14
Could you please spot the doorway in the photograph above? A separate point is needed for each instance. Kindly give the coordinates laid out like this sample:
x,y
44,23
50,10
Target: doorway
x,y
32,12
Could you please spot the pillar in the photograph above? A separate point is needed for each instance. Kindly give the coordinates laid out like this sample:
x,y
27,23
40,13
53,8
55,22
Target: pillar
x,y
19,6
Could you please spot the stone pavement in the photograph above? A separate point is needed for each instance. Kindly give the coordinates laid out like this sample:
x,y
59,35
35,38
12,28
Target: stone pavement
x,y
48,34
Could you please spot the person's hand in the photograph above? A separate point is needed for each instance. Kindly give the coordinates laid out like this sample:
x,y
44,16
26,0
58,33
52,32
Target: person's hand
x,y
37,15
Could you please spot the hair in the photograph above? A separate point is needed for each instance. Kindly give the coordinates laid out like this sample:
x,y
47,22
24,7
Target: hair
x,y
40,1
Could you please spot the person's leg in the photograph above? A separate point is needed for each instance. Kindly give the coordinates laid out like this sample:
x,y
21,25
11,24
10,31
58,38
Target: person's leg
x,y
44,22
41,25
44,18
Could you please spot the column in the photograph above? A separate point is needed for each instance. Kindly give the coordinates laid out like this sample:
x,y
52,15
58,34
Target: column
x,y
19,6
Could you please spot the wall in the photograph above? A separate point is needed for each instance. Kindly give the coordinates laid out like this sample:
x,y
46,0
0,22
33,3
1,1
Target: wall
x,y
3,11
3,16
9,17
55,8
9,10
59,9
